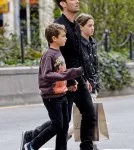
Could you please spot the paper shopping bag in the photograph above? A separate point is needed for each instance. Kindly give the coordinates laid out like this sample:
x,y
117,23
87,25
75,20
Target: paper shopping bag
x,y
100,131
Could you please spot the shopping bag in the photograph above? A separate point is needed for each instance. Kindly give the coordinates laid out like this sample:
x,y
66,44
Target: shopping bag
x,y
100,130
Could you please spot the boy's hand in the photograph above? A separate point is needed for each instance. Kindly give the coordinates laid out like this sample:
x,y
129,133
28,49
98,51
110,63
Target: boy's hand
x,y
89,86
72,88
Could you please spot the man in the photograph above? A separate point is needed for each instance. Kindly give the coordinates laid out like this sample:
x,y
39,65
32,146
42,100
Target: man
x,y
73,57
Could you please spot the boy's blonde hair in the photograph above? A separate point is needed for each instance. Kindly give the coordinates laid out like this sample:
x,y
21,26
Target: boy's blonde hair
x,y
53,29
83,18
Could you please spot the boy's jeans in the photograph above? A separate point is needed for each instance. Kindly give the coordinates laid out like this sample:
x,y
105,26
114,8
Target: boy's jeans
x,y
58,112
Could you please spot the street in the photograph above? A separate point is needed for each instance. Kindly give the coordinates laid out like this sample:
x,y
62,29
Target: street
x,y
119,114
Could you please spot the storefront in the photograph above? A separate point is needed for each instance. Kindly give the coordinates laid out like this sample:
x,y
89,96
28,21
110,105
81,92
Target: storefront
x,y
1,20
29,20
4,8
29,16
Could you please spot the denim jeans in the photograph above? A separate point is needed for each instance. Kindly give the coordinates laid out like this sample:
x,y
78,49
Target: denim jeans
x,y
58,112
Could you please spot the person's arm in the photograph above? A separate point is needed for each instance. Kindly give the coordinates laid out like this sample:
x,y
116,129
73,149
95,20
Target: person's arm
x,y
50,75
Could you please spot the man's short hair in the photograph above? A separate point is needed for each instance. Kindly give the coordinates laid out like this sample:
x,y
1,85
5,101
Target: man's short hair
x,y
53,29
58,3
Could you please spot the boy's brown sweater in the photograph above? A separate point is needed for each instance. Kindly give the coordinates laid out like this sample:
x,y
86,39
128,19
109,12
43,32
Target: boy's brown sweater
x,y
53,74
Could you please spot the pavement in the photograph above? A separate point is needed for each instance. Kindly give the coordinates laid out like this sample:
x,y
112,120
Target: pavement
x,y
103,149
119,113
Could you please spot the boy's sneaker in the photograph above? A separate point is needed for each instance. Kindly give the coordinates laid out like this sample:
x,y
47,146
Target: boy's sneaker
x,y
28,146
26,138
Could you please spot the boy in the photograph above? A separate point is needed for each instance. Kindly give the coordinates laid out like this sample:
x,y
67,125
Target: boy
x,y
52,84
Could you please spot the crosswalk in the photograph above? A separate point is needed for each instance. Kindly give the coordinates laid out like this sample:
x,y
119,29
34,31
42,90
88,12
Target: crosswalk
x,y
100,149
46,149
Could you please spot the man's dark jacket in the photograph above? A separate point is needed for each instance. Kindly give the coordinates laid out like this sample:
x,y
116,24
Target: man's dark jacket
x,y
69,51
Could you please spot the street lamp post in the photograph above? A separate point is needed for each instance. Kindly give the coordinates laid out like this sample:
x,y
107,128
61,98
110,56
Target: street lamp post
x,y
28,22
17,17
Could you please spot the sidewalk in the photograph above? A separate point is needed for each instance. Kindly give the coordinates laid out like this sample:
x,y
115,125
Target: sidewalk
x,y
119,113
120,118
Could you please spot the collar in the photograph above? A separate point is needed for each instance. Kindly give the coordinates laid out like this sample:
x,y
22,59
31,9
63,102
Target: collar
x,y
72,24
87,42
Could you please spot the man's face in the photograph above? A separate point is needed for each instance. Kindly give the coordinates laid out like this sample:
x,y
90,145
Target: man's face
x,y
71,6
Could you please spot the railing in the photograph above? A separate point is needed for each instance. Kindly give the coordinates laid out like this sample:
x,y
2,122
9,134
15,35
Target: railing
x,y
108,43
22,47
23,44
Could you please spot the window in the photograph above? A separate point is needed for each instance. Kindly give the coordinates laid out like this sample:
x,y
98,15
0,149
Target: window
x,y
34,21
4,6
1,20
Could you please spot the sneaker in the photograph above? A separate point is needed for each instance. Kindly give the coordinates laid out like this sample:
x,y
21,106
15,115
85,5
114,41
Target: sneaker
x,y
26,138
28,146
69,137
95,147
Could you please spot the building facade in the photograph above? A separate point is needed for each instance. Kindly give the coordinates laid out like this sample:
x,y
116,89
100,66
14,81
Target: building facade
x,y
17,15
